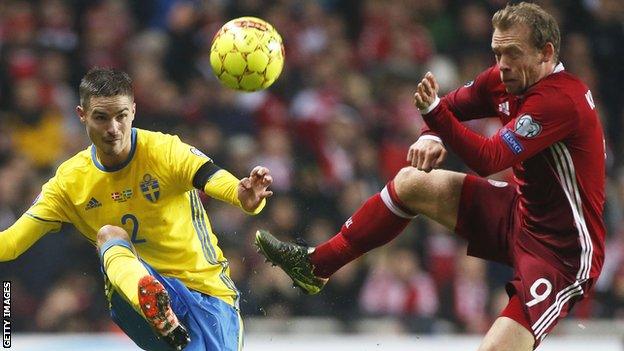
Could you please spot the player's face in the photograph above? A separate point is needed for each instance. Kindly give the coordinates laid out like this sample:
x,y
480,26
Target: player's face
x,y
520,63
108,120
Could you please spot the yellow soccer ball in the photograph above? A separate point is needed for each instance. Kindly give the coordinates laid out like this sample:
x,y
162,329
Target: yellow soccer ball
x,y
247,54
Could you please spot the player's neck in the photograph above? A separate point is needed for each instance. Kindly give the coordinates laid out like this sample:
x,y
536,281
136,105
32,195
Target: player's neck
x,y
543,71
112,161
547,69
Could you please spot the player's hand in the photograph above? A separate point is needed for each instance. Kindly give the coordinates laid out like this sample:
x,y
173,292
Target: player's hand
x,y
426,154
252,189
426,92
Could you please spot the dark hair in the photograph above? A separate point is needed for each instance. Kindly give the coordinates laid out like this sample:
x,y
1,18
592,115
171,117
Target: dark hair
x,y
104,82
543,26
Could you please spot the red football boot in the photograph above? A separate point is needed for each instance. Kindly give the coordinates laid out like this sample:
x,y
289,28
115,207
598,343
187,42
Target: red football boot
x,y
154,302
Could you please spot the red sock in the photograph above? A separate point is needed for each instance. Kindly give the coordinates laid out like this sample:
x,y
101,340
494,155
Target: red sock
x,y
380,219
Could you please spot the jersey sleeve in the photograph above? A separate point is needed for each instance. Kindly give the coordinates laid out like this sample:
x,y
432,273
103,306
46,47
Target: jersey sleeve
x,y
22,235
184,161
50,205
542,121
473,100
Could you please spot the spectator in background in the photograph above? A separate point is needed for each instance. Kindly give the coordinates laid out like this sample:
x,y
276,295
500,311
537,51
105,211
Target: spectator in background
x,y
33,120
275,151
614,299
471,294
605,31
397,286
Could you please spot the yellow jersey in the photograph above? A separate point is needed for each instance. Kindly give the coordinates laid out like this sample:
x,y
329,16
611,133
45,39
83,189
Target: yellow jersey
x,y
152,197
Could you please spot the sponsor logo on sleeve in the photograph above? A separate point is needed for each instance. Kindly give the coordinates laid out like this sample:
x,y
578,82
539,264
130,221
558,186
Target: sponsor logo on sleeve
x,y
512,142
498,183
196,152
527,127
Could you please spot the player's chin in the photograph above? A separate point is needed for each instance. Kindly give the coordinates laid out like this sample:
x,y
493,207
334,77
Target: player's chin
x,y
510,89
514,87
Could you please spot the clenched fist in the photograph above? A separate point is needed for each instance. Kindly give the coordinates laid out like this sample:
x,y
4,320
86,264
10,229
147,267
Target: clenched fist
x,y
426,154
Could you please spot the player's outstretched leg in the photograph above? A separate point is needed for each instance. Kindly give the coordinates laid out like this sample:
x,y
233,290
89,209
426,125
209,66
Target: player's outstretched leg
x,y
154,302
378,221
293,259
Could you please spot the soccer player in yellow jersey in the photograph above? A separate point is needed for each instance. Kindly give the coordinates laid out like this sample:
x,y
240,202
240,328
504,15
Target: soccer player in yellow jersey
x,y
134,194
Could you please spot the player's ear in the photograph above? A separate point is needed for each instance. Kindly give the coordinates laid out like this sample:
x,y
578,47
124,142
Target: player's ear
x,y
81,114
548,52
133,110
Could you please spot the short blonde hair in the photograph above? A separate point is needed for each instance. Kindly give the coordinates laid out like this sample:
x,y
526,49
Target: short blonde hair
x,y
543,26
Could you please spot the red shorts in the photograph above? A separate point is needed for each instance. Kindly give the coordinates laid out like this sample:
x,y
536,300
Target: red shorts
x,y
488,218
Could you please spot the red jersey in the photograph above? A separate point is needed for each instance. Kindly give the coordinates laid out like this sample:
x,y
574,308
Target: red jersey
x,y
553,140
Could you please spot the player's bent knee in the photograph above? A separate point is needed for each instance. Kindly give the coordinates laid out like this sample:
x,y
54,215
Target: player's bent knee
x,y
408,181
109,232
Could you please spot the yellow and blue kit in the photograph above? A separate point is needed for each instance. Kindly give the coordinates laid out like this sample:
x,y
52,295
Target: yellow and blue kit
x,y
153,197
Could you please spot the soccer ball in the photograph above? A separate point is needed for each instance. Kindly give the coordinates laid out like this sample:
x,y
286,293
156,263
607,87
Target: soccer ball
x,y
247,54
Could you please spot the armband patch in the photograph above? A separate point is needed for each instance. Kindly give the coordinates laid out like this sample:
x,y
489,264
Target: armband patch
x,y
512,142
204,173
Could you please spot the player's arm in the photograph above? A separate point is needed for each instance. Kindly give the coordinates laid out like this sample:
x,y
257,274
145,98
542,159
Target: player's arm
x,y
249,193
541,123
45,215
471,101
23,234
192,168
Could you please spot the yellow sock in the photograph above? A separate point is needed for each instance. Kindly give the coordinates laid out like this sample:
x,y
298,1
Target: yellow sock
x,y
124,271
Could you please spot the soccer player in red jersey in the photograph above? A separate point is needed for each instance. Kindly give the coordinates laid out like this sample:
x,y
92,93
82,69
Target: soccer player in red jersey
x,y
548,226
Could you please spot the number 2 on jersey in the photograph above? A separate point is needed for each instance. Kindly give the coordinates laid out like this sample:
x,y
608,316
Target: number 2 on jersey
x,y
135,227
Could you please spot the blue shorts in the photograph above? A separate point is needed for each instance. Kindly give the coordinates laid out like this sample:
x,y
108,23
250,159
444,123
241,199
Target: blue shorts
x,y
212,323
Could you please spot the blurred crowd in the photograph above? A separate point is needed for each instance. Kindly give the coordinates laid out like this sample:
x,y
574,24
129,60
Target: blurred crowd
x,y
333,129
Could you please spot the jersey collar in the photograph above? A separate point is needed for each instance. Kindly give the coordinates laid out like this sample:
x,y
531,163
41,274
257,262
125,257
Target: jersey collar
x,y
121,165
558,68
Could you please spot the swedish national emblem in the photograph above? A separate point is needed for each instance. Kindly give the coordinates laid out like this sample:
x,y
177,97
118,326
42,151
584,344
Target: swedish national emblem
x,y
150,188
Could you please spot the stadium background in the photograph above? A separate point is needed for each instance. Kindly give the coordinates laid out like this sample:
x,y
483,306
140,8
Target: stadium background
x,y
333,129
